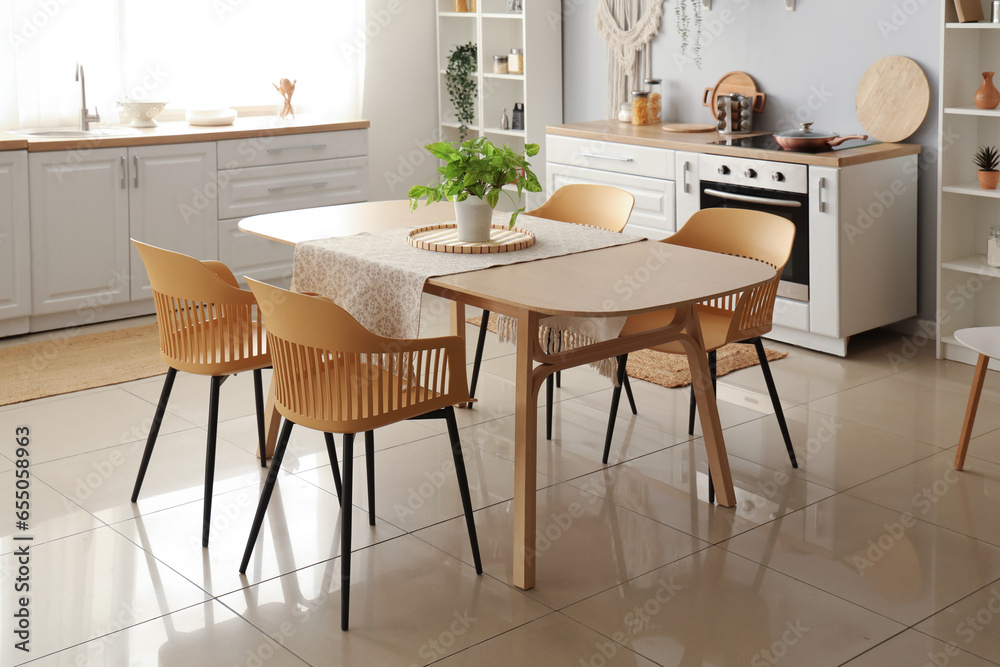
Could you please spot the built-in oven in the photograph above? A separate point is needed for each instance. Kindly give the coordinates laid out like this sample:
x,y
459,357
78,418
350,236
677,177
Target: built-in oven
x,y
763,185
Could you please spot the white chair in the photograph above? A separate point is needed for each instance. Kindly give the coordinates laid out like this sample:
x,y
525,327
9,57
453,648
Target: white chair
x,y
985,341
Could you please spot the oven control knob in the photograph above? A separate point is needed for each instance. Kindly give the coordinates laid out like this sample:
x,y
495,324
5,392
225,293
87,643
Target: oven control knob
x,y
750,173
778,176
723,170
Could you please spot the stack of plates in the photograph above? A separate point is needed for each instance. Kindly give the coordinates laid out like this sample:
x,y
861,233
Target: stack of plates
x,y
210,116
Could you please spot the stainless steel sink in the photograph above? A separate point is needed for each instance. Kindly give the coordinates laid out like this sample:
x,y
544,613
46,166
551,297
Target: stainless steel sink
x,y
72,133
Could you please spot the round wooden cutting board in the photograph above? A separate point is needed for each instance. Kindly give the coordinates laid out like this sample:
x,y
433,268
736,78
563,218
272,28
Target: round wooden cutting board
x,y
893,98
688,127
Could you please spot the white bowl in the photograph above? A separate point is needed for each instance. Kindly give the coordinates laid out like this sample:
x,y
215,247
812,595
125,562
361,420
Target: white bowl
x,y
210,116
142,112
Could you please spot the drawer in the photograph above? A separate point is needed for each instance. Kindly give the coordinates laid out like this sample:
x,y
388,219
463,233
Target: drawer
x,y
654,197
287,148
254,256
791,314
610,156
286,187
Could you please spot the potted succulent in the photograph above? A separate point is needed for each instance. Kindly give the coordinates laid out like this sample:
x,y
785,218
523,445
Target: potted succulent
x,y
473,175
988,160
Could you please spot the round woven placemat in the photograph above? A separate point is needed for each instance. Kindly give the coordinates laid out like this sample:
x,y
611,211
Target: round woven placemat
x,y
444,238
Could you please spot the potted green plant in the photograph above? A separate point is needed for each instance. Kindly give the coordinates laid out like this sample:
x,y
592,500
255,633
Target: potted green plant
x,y
473,175
988,160
460,81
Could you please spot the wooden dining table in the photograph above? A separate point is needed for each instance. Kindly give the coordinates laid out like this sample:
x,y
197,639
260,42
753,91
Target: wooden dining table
x,y
617,281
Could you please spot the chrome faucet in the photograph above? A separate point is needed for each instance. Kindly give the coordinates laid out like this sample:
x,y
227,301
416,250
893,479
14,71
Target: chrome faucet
x,y
86,118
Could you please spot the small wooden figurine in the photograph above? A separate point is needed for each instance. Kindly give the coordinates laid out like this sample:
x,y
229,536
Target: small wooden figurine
x,y
286,88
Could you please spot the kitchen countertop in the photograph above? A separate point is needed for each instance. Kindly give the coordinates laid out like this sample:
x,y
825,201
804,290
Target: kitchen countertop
x,y
180,132
700,142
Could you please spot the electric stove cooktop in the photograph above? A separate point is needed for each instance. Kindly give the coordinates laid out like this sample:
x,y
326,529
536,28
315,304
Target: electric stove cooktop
x,y
766,142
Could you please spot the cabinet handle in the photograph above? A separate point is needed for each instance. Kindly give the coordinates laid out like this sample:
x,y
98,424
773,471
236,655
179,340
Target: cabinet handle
x,y
135,165
822,192
295,148
279,188
124,173
608,157
684,177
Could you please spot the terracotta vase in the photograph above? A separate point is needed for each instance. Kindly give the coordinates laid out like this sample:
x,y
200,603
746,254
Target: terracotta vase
x,y
988,180
987,97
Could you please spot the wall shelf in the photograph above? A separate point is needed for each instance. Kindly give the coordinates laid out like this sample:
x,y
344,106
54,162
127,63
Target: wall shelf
x,y
973,189
973,111
972,264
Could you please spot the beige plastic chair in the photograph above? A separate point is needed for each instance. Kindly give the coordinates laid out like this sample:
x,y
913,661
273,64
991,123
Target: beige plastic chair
x,y
333,375
208,326
740,317
600,206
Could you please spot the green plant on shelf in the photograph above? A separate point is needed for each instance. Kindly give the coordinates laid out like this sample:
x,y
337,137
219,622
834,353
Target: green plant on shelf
x,y
460,81
987,158
477,168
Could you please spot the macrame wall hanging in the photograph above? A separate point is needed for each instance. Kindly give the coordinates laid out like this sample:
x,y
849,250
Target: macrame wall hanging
x,y
628,26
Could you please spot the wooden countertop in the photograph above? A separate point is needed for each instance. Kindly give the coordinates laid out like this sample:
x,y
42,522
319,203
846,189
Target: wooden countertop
x,y
180,132
700,142
12,142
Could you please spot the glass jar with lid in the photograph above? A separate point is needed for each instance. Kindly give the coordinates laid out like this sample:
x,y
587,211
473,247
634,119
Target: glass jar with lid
x,y
500,64
993,247
640,107
654,88
625,112
515,61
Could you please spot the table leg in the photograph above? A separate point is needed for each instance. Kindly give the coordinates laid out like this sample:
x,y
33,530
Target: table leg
x,y
708,410
457,320
272,422
525,454
970,411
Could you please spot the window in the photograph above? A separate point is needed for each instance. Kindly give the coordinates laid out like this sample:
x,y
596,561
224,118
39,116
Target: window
x,y
186,52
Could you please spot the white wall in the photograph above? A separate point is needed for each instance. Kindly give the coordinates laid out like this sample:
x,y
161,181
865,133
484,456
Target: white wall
x,y
808,62
400,95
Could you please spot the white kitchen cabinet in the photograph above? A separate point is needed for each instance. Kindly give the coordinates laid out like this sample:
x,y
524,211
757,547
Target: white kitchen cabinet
x,y
283,173
15,269
79,232
862,255
688,186
647,173
172,204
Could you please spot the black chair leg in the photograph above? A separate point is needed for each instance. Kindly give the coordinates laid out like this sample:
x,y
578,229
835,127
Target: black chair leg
x,y
616,396
331,450
463,485
694,403
628,390
559,379
213,431
549,400
258,395
154,429
478,359
370,463
775,401
265,494
345,534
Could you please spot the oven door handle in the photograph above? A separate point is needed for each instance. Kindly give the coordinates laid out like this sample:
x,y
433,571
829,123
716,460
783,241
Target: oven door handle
x,y
749,199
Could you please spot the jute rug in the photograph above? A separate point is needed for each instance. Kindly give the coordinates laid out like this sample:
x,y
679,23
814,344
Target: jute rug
x,y
671,370
61,363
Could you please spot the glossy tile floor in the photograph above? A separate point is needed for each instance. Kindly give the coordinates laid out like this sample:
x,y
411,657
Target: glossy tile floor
x,y
873,552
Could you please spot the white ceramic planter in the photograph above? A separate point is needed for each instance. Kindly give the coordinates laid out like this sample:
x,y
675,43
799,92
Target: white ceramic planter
x,y
473,216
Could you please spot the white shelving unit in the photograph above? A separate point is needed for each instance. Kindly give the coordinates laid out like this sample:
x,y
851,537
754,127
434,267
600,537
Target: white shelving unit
x,y
968,288
537,31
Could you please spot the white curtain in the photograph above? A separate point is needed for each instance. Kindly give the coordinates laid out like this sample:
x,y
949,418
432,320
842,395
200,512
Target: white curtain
x,y
186,52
